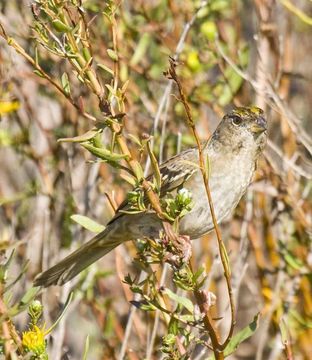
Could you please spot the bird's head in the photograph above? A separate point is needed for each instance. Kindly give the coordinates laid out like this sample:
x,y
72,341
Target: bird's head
x,y
243,127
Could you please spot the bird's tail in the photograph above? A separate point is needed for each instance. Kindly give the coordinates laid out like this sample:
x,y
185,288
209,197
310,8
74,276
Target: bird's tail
x,y
80,259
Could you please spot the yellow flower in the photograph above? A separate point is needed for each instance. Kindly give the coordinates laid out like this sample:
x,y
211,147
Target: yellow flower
x,y
8,106
33,340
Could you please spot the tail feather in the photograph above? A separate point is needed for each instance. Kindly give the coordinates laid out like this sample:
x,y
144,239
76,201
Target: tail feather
x,y
74,263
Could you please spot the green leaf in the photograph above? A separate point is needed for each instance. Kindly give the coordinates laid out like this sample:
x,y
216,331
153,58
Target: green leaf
x,y
294,262
86,348
155,165
219,5
284,331
193,61
106,68
103,153
110,89
225,256
5,136
87,223
60,26
8,262
140,49
18,277
207,166
65,83
135,140
241,336
209,30
39,73
29,295
24,302
129,179
143,305
181,300
86,54
235,81
67,303
173,327
198,274
81,138
302,321
112,54
131,212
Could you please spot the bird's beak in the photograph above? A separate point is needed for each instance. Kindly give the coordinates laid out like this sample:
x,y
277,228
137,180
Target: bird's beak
x,y
259,126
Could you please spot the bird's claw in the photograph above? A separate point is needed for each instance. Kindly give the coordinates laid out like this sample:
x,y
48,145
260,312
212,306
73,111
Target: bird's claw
x,y
181,249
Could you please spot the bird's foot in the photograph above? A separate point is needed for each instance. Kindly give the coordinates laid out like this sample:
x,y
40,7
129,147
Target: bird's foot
x,y
183,245
179,246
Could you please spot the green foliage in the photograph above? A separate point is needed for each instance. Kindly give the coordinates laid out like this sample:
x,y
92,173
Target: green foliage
x,y
87,223
99,67
178,206
241,336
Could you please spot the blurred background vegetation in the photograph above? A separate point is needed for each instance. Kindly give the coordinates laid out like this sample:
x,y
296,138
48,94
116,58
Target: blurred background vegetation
x,y
230,53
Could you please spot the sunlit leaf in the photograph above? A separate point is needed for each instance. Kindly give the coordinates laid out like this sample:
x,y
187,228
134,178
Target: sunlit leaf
x,y
112,54
86,348
140,49
59,26
103,153
65,83
185,302
241,336
81,138
87,223
106,68
66,305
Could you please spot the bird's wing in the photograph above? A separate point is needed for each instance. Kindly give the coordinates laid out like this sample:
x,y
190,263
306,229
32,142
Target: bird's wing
x,y
177,170
174,172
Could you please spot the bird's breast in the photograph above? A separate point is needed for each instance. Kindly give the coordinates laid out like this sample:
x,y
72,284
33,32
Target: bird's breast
x,y
228,181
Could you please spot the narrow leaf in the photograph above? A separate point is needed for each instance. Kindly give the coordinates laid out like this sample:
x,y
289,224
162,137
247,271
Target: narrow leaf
x,y
226,258
81,138
86,54
39,73
86,348
60,26
155,165
65,83
135,139
129,179
141,49
112,54
67,303
207,166
87,223
103,153
241,336
106,68
181,300
29,295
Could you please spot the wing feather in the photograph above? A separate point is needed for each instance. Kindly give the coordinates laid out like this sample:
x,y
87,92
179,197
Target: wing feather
x,y
174,172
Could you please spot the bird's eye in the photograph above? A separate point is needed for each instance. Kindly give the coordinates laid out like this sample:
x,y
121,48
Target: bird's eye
x,y
236,120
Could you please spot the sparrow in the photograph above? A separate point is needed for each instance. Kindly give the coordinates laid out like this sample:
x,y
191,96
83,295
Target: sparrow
x,y
232,150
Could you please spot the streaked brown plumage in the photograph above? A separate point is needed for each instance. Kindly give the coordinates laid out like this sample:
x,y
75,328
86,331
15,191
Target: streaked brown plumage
x,y
233,150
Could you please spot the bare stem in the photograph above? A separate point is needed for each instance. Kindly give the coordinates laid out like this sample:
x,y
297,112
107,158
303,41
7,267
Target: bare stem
x,y
191,124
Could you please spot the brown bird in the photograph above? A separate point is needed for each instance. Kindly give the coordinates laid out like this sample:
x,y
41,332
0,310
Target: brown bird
x,y
233,150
